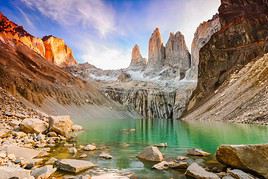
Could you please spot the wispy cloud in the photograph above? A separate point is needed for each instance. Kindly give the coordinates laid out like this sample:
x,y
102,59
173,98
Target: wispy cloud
x,y
83,13
27,19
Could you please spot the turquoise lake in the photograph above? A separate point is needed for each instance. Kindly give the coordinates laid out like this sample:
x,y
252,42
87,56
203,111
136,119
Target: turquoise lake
x,y
124,139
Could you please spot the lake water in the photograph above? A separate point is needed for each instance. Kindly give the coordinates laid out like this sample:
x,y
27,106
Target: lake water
x,y
115,137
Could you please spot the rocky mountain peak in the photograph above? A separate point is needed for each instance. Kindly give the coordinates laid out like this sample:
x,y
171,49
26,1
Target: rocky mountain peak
x,y
176,52
156,49
136,58
136,53
51,48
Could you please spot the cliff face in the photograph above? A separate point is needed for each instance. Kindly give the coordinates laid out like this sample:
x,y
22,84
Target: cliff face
x,y
57,52
202,35
52,48
241,38
156,50
176,52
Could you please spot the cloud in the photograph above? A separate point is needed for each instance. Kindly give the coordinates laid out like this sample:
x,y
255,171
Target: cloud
x,y
177,15
27,19
89,14
104,56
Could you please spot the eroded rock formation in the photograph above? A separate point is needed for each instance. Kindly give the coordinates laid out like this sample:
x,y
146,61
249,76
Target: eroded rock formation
x,y
52,48
137,61
176,52
202,35
57,52
241,38
156,52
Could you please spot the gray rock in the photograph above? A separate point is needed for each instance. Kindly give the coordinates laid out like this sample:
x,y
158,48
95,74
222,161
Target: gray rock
x,y
43,172
245,157
196,171
31,125
90,147
197,152
239,174
74,166
14,172
20,152
151,154
105,155
164,165
72,150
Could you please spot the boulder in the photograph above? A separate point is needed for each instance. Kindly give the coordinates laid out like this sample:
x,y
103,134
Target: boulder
x,y
20,152
90,147
196,171
178,165
105,155
164,165
72,150
61,125
238,174
74,166
43,172
197,152
151,154
242,157
31,125
14,172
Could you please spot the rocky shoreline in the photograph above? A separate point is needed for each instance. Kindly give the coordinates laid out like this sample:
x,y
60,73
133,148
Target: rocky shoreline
x,y
28,139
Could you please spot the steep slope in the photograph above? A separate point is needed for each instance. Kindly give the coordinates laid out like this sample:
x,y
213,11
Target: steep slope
x,y
51,48
241,38
241,98
26,73
235,50
36,82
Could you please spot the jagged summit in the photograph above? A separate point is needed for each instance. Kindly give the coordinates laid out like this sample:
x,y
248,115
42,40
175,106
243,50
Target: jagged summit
x,y
137,61
7,26
156,50
50,47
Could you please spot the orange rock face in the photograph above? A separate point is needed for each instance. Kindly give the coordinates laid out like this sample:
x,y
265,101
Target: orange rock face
x,y
52,48
57,52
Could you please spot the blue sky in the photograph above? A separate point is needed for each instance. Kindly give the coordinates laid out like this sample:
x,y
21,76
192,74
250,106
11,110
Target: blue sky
x,y
103,32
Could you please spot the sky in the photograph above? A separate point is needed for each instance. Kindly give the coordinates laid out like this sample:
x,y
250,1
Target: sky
x,y
103,32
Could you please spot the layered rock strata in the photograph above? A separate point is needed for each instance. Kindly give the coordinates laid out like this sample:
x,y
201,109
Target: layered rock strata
x,y
241,38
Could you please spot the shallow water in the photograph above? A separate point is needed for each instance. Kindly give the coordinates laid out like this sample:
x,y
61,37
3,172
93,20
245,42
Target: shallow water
x,y
124,144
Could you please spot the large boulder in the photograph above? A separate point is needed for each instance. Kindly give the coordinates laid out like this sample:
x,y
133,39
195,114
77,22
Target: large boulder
x,y
43,172
239,174
21,152
196,171
61,125
245,157
74,166
14,172
151,154
31,125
